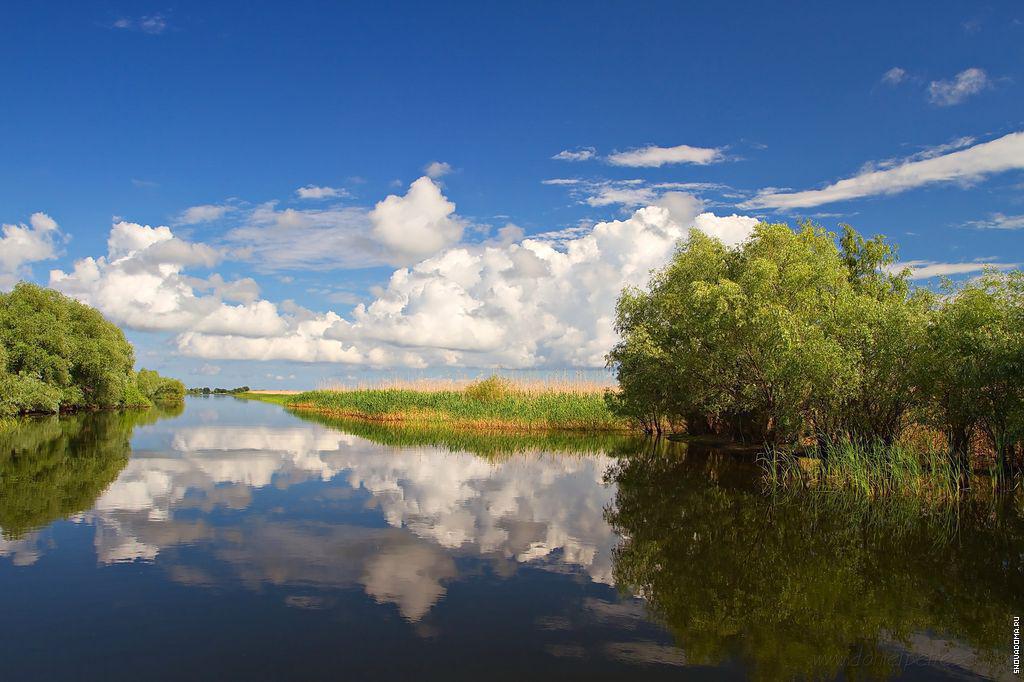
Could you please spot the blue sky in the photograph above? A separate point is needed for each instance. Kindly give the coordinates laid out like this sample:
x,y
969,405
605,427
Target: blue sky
x,y
133,113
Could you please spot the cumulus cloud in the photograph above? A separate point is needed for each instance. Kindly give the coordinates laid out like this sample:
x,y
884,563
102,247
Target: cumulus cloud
x,y
400,230
894,76
530,303
512,301
204,213
140,284
416,225
21,245
965,165
654,157
437,169
578,154
966,83
546,300
320,192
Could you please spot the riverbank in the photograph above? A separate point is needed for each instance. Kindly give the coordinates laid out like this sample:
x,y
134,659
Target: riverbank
x,y
493,404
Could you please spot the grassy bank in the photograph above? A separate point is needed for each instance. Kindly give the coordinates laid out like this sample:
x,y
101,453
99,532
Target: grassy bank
x,y
494,404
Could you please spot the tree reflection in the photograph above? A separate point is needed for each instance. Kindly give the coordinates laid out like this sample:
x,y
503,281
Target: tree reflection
x,y
54,467
807,586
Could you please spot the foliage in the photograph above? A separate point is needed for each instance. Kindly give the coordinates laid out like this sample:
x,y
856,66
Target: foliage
x,y
159,389
792,338
57,354
974,374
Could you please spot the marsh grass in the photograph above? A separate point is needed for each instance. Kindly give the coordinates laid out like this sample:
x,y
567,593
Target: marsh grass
x,y
491,404
576,383
870,470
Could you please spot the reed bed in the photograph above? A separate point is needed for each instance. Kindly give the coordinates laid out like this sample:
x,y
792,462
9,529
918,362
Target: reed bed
x,y
870,470
575,383
495,403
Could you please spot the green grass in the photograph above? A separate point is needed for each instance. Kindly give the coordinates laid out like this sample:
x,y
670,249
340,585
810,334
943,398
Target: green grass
x,y
870,470
492,404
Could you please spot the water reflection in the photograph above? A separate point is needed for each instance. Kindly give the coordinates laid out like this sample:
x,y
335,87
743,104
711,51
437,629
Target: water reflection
x,y
392,520
815,587
52,467
534,546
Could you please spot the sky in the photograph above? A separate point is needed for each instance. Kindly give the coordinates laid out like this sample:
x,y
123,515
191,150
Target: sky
x,y
287,195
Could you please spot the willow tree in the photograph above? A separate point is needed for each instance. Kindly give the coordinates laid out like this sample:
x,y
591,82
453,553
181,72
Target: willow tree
x,y
789,336
59,354
975,366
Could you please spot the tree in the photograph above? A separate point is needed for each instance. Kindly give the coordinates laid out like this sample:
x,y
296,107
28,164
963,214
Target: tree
x,y
58,354
975,364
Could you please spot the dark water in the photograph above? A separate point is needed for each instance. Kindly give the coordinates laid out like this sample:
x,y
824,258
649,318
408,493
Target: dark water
x,y
236,541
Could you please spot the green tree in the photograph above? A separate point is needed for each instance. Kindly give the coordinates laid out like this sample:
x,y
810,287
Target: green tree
x,y
58,354
975,364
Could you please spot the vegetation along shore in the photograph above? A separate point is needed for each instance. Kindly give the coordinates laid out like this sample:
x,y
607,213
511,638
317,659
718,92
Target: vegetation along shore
x,y
59,355
495,403
818,345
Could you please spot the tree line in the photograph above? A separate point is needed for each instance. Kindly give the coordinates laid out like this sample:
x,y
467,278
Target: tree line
x,y
59,355
802,337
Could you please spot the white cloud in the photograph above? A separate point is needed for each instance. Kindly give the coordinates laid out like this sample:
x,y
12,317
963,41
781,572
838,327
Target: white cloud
x,y
541,301
537,302
965,165
308,239
578,154
510,301
561,181
209,370
437,169
924,269
400,230
653,157
320,192
416,225
999,221
204,213
966,83
894,76
153,24
21,245
140,284
611,194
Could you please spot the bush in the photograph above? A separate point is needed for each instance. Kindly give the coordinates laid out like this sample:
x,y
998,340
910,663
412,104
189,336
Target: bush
x,y
489,390
159,389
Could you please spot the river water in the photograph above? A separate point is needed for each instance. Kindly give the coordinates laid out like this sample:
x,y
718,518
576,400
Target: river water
x,y
235,540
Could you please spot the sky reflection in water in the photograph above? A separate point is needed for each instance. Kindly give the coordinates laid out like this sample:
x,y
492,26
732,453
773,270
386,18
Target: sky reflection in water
x,y
240,541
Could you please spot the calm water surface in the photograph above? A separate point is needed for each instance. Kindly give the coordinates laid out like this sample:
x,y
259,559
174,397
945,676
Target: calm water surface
x,y
234,540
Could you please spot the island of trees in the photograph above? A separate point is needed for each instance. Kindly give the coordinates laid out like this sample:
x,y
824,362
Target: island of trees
x,y
808,341
206,390
59,355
